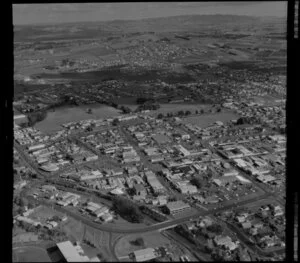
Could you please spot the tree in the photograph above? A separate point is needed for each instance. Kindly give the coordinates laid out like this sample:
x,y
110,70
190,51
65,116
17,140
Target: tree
x,y
201,111
197,182
160,116
23,202
115,122
138,242
127,210
180,113
196,112
187,113
215,228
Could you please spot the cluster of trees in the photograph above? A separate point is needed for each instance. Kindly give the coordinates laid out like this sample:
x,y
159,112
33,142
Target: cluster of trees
x,y
138,242
51,234
35,117
127,210
180,113
125,109
197,182
148,106
143,100
183,113
248,120
115,122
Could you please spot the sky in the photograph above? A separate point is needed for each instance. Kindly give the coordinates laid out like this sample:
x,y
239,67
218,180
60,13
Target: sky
x,y
78,12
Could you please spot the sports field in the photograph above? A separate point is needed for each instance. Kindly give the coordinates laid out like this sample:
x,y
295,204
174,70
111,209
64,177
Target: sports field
x,y
206,120
54,120
30,254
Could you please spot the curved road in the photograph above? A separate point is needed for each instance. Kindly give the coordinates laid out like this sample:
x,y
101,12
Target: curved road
x,y
166,224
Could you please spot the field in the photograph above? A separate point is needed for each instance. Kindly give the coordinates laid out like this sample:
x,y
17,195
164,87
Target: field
x,y
55,119
73,229
42,213
151,239
25,237
30,254
206,120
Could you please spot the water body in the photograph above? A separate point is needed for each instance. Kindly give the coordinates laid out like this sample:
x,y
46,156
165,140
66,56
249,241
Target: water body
x,y
54,120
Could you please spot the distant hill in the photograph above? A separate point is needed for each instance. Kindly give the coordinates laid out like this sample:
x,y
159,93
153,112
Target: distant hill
x,y
191,23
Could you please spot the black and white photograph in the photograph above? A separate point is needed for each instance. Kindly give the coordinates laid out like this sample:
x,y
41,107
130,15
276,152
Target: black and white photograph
x,y
150,132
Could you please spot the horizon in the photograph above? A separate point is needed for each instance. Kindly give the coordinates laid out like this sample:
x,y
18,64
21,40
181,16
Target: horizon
x,y
55,14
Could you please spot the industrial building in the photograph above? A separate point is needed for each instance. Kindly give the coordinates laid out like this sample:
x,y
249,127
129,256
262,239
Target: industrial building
x,y
177,207
144,254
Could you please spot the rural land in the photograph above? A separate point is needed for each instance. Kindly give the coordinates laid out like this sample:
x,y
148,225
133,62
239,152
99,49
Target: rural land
x,y
150,140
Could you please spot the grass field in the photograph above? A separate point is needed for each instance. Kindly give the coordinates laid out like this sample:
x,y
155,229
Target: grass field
x,y
42,213
30,254
206,120
55,119
151,239
73,228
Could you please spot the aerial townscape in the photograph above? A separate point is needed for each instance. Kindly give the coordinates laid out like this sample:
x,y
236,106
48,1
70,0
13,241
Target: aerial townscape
x,y
159,139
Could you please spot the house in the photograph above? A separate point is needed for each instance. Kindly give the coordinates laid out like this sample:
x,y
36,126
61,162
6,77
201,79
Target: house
x,y
190,225
139,189
246,225
226,242
107,217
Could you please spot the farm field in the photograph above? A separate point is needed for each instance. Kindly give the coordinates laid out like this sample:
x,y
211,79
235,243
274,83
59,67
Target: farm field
x,y
54,120
206,120
30,254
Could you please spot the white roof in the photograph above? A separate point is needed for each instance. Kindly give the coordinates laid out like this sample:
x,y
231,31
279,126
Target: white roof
x,y
69,252
144,254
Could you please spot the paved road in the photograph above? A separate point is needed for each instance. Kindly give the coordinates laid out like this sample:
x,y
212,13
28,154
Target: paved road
x,y
150,228
253,247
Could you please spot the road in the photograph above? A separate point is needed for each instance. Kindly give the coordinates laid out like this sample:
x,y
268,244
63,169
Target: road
x,y
166,224
253,247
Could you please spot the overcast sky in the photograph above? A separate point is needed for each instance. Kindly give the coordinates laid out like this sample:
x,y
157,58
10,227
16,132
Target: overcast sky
x,y
60,13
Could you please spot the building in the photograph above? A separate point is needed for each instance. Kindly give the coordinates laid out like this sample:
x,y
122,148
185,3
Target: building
x,y
182,150
144,254
226,242
70,253
177,207
155,184
107,217
139,189
161,138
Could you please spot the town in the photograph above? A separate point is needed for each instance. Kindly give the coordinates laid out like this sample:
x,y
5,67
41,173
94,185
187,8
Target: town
x,y
151,144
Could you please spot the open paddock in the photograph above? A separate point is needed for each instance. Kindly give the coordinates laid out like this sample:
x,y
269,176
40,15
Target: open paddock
x,y
30,254
206,120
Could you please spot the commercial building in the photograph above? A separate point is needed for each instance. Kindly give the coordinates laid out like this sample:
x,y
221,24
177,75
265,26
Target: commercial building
x,y
144,254
155,184
177,207
70,253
